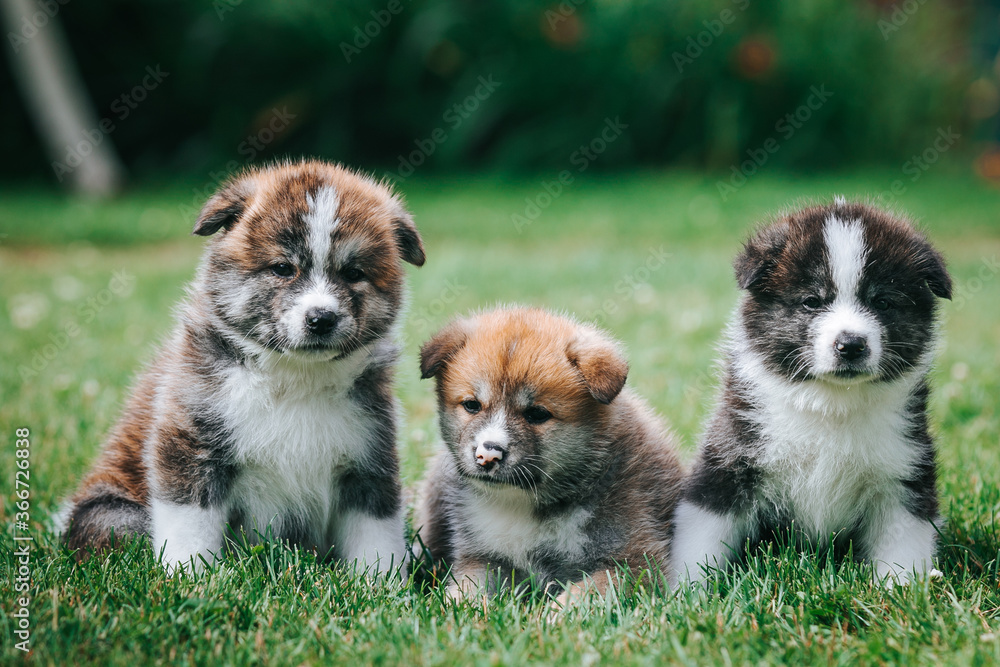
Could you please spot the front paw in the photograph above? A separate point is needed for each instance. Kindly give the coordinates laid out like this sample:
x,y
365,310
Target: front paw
x,y
570,595
890,576
463,588
556,607
180,564
455,592
573,595
377,570
701,579
180,561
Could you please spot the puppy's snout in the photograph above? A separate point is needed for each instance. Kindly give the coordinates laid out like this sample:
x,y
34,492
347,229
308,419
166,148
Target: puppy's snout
x,y
320,321
489,453
851,347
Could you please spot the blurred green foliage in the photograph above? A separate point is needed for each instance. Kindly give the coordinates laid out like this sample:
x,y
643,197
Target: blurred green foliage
x,y
376,82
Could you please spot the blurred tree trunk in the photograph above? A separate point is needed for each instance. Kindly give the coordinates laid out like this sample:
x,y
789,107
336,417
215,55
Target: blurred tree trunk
x,y
81,151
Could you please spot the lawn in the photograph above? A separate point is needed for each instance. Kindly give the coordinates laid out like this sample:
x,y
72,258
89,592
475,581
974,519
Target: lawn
x,y
88,291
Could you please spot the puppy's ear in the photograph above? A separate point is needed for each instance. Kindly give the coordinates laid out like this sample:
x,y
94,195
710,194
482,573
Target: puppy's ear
x,y
601,364
760,255
933,271
407,238
224,208
435,353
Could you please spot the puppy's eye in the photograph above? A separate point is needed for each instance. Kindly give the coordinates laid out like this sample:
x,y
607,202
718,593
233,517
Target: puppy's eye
x,y
472,406
536,414
283,270
352,274
881,303
812,302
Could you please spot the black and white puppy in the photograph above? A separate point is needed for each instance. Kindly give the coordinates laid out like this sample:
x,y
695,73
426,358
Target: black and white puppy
x,y
822,421
270,408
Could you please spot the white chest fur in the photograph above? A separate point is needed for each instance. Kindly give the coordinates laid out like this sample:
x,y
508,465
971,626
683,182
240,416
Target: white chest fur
x,y
294,429
834,458
501,521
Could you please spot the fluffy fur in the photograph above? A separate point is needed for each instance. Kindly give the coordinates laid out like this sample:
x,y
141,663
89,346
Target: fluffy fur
x,y
553,472
822,421
270,408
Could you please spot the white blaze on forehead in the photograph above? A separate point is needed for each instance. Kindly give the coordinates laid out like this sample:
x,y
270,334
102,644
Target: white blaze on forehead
x,y
845,245
321,220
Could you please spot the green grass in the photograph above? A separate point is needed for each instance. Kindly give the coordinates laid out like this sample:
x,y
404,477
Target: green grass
x,y
277,606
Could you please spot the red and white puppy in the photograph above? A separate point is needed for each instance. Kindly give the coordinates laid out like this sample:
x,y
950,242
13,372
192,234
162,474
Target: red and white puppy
x,y
553,472
270,408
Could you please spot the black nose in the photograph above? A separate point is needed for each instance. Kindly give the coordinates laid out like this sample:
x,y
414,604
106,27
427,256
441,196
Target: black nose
x,y
320,321
851,347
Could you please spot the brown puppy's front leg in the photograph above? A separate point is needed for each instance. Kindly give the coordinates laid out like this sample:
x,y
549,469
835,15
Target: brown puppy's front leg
x,y
596,582
469,577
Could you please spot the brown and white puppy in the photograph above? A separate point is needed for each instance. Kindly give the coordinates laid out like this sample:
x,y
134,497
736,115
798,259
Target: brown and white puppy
x,y
822,424
270,408
554,472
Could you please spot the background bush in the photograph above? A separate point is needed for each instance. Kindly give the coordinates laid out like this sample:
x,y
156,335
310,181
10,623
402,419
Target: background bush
x,y
897,72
